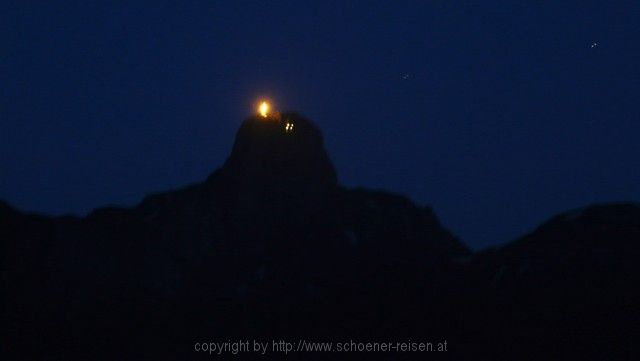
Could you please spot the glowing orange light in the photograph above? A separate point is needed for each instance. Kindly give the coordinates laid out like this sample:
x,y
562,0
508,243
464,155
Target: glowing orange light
x,y
263,109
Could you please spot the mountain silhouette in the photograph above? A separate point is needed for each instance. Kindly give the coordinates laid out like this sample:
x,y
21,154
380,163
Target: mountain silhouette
x,y
271,246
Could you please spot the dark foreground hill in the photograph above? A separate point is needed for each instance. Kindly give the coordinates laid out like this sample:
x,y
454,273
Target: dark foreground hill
x,y
270,247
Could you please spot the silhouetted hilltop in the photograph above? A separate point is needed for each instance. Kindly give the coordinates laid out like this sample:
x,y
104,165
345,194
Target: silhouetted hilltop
x,y
271,246
281,151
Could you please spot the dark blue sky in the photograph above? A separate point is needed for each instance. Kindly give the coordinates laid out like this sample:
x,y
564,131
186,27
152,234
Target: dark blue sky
x,y
507,115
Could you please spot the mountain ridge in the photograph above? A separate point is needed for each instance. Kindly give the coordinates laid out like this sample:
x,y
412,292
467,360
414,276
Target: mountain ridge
x,y
271,245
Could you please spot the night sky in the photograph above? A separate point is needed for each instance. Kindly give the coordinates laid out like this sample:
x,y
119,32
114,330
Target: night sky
x,y
498,114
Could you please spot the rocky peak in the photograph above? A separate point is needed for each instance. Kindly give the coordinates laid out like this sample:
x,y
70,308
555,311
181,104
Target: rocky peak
x,y
278,166
284,149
